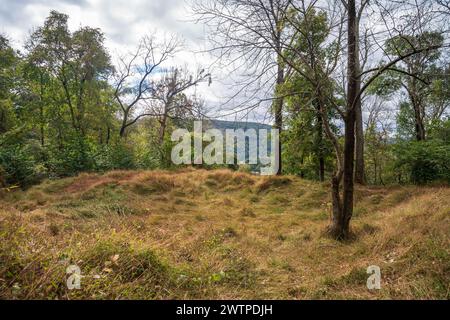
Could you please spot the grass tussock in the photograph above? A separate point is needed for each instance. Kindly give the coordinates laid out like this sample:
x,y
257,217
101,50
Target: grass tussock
x,y
221,235
272,182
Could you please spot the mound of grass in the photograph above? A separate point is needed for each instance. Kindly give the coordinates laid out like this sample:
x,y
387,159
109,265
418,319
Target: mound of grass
x,y
218,234
152,184
272,182
229,178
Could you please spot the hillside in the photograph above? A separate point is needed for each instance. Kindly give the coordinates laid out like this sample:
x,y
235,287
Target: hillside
x,y
218,234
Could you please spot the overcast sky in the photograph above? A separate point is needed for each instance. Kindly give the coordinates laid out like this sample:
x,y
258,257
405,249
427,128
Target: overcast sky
x,y
124,22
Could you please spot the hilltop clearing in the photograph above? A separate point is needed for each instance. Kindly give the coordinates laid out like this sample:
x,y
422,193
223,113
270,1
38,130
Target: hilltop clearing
x,y
219,234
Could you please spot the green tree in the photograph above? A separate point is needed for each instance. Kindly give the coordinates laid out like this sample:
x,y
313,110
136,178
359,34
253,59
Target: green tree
x,y
67,98
8,64
306,136
421,76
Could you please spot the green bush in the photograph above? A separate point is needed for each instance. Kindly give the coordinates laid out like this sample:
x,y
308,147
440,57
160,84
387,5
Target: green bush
x,y
21,164
71,158
424,161
114,156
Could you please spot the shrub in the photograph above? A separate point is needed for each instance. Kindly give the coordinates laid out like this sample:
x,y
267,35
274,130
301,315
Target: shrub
x,y
424,161
114,156
71,158
21,164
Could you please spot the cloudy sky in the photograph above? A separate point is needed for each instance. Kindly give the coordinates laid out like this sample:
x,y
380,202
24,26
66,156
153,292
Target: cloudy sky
x,y
124,22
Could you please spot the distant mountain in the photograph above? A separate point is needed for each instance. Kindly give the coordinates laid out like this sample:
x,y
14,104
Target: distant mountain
x,y
223,125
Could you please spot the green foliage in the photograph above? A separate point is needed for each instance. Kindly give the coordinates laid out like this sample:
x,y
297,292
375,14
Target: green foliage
x,y
7,115
58,112
424,161
423,76
378,156
385,85
8,60
71,157
115,156
405,122
20,161
304,141
440,130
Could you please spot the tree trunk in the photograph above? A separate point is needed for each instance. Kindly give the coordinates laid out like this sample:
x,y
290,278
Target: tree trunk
x,y
42,129
122,131
359,154
162,130
321,169
124,124
420,130
320,145
108,135
162,134
336,221
417,106
340,228
359,164
302,173
279,113
419,126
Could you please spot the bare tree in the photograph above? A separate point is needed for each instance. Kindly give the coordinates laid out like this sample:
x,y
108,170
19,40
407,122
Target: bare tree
x,y
359,131
170,97
132,77
347,58
252,32
357,82
378,127
444,6
342,215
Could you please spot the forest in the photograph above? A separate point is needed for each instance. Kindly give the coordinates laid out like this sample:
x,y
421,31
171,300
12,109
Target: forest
x,y
359,91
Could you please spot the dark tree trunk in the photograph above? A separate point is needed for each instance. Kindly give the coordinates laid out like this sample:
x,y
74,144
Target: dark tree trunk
x,y
359,156
124,124
279,114
340,228
336,222
162,134
321,169
42,127
347,203
320,145
420,131
108,135
302,173
162,130
349,140
419,127
122,131
417,106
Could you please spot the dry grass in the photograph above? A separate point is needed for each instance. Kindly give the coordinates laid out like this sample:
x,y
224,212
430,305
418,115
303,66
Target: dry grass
x,y
218,234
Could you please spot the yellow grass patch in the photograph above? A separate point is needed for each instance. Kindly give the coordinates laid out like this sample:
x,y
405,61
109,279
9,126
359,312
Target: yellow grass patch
x,y
219,234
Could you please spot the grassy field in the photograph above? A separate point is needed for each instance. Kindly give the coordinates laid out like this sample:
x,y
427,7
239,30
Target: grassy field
x,y
219,235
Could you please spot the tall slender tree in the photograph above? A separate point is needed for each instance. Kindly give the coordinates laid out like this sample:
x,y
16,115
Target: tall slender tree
x,y
252,32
